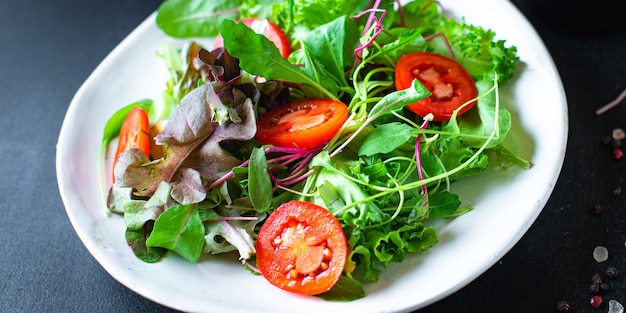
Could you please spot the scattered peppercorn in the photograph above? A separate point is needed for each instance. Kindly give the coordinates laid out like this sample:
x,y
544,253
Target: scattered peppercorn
x,y
596,278
594,288
596,209
617,191
604,287
612,272
562,306
606,140
596,301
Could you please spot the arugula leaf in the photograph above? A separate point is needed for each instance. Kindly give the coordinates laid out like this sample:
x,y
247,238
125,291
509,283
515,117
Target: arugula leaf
x,y
333,45
314,69
259,56
179,229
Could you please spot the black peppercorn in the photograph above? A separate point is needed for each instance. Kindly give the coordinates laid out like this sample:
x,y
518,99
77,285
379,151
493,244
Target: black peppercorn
x,y
617,191
562,306
594,288
612,272
604,287
596,209
596,278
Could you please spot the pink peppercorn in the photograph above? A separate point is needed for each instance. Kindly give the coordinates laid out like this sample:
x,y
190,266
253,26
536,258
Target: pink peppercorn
x,y
596,301
618,153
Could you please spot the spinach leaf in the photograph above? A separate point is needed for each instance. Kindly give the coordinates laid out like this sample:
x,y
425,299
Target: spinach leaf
x,y
179,229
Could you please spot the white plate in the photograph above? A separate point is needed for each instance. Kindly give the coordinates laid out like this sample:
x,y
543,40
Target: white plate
x,y
506,203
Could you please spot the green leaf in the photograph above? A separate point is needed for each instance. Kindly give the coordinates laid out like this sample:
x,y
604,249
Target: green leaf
x,y
314,69
186,19
179,229
136,240
399,99
346,289
259,56
114,124
409,40
443,204
333,46
385,138
480,123
259,183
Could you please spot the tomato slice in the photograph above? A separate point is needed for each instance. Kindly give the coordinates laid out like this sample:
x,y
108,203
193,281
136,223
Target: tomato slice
x,y
305,123
267,28
450,84
134,133
302,248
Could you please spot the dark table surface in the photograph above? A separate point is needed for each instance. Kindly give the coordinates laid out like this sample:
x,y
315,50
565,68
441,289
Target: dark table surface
x,y
48,48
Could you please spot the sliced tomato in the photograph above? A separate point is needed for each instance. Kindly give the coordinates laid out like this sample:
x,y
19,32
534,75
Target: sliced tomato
x,y
450,84
267,28
134,133
302,248
305,123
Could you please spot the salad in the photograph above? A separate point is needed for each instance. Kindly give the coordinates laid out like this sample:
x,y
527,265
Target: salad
x,y
319,143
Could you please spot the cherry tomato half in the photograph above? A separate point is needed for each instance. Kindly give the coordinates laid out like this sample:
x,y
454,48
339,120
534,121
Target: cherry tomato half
x,y
302,248
134,133
270,30
450,84
305,123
